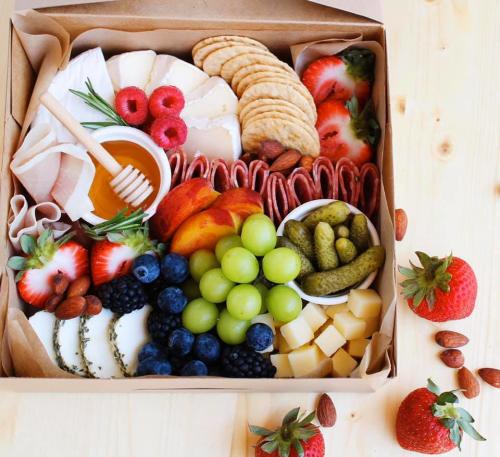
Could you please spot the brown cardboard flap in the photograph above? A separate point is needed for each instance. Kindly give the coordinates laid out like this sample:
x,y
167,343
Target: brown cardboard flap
x,y
371,9
27,4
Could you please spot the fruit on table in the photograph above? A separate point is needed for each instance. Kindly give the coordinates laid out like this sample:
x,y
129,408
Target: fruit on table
x,y
244,302
200,316
241,201
330,340
346,250
349,325
281,265
200,262
296,433
283,303
342,364
207,347
429,421
166,100
226,243
304,360
122,295
258,234
299,234
359,233
357,348
334,213
146,268
172,300
190,289
243,362
183,201
231,330
297,332
214,286
194,368
306,265
364,303
442,290
282,364
324,247
259,336
240,265
181,341
131,104
314,315
400,223
168,131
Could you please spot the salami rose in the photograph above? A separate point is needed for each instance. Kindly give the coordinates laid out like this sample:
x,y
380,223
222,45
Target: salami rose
x,y
369,197
198,168
258,172
325,178
276,198
219,175
238,173
348,179
178,166
301,187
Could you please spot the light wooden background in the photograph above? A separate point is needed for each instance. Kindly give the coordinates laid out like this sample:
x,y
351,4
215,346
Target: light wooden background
x,y
444,77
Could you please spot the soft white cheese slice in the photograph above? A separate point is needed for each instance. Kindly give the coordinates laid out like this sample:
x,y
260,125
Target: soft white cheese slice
x,y
171,71
43,325
68,341
129,336
97,350
212,99
89,64
131,69
217,138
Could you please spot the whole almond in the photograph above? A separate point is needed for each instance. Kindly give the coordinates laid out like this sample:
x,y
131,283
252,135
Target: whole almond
x,y
449,339
71,307
94,305
401,223
326,412
248,157
452,358
307,163
286,161
79,287
468,383
490,375
52,302
270,150
60,283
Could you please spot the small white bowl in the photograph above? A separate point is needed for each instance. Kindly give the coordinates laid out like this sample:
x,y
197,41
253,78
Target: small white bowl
x,y
299,214
123,133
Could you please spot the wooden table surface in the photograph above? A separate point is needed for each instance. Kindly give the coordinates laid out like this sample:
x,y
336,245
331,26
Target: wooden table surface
x,y
444,75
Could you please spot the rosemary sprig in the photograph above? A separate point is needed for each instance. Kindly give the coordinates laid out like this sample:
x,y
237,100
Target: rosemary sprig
x,y
95,101
118,224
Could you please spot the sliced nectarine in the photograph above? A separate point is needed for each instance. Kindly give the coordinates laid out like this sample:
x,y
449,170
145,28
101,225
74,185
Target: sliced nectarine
x,y
241,201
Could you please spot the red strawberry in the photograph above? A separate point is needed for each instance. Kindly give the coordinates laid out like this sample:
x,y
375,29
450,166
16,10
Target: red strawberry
x,y
297,437
131,104
429,422
343,132
442,290
166,100
341,77
168,131
44,258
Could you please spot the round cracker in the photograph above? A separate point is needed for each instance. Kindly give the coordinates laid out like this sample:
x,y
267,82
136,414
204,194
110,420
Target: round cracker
x,y
251,78
213,62
261,105
250,59
271,109
281,91
222,38
245,71
200,55
289,134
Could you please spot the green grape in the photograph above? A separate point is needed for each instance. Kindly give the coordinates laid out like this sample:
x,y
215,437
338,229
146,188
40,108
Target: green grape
x,y
226,243
258,234
214,286
263,290
244,302
231,330
200,262
284,303
199,316
240,265
191,289
281,265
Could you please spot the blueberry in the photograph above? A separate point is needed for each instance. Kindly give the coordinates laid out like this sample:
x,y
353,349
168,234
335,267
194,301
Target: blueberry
x,y
172,300
174,268
150,350
194,368
181,341
259,336
207,347
146,268
152,365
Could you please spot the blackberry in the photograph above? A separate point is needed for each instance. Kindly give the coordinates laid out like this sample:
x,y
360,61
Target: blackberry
x,y
161,325
242,362
122,295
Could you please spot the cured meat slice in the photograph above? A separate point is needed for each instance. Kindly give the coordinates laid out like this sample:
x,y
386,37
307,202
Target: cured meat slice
x,y
325,178
301,187
198,168
369,196
239,174
178,166
219,175
276,198
258,173
348,179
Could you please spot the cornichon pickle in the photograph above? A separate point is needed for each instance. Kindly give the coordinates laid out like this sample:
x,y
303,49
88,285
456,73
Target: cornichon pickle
x,y
360,235
346,250
306,266
324,238
341,231
333,213
300,235
329,282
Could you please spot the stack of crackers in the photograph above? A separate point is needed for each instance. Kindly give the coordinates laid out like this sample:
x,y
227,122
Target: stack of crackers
x,y
273,102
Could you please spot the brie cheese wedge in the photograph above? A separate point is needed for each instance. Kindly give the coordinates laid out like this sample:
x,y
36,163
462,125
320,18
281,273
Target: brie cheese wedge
x,y
131,69
42,323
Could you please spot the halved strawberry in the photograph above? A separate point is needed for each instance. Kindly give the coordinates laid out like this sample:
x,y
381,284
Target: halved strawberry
x,y
44,258
341,77
344,132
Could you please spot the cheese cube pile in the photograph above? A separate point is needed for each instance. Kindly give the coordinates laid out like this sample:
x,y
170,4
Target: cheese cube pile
x,y
343,364
297,332
330,340
314,315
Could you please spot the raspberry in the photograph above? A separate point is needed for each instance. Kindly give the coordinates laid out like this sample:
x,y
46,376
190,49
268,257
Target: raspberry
x,y
166,100
169,132
131,104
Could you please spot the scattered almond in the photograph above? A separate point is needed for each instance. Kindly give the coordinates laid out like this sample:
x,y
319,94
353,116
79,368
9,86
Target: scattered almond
x,y
270,150
468,383
452,358
326,412
449,339
401,223
52,302
247,157
79,287
71,307
94,305
490,375
307,163
60,283
286,161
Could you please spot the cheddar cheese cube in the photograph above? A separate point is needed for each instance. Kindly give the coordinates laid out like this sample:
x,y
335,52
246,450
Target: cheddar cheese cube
x,y
334,309
282,364
314,315
349,325
297,332
342,364
330,340
357,348
305,360
364,303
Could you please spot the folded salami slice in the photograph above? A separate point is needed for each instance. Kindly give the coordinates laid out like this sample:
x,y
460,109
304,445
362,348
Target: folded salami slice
x,y
198,168
348,179
369,196
325,178
178,166
301,187
258,173
219,175
238,172
276,198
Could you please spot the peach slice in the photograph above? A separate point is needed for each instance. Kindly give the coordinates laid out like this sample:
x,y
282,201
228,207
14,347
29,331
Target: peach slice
x,y
180,203
203,230
241,201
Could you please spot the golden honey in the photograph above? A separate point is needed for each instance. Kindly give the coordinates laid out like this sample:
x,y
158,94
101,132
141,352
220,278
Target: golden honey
x,y
106,202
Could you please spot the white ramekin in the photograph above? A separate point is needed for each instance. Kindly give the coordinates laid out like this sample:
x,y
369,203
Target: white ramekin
x,y
122,133
299,214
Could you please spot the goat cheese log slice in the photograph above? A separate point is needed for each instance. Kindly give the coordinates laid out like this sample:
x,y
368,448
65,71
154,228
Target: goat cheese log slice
x,y
67,344
43,323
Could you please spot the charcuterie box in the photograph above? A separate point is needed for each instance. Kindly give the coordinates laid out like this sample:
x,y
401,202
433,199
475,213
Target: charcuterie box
x,y
295,33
